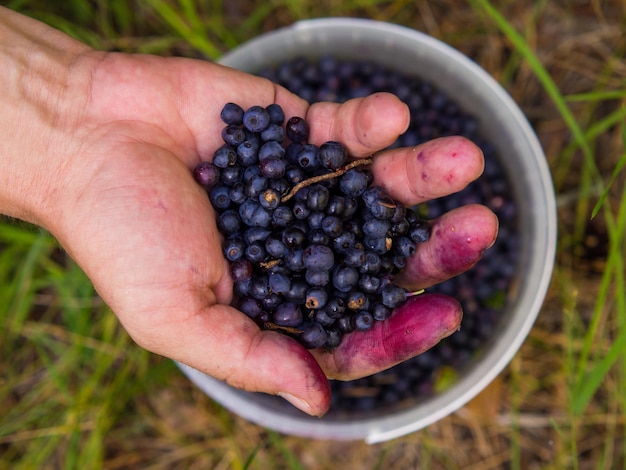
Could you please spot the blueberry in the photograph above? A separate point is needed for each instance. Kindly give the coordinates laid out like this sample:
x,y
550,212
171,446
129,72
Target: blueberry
x,y
363,321
380,312
282,216
308,157
273,167
333,155
318,257
229,222
405,247
332,225
345,278
288,314
206,174
240,270
232,114
313,335
250,307
295,259
316,297
256,119
335,307
273,133
315,219
220,197
318,197
271,149
275,247
343,242
233,135
231,175
253,215
260,287
354,257
237,193
269,199
280,282
369,283
376,228
255,252
357,300
353,182
247,153
234,248
420,231
317,278
277,115
392,296
224,156
297,129
255,186
256,234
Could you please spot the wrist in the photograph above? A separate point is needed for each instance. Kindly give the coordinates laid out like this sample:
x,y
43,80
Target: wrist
x,y
40,92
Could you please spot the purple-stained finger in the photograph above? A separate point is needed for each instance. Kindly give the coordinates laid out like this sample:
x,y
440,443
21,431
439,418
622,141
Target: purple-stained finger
x,y
415,327
434,169
457,242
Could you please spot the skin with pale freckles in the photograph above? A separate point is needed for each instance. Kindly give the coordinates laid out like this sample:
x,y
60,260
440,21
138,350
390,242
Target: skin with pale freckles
x,y
99,148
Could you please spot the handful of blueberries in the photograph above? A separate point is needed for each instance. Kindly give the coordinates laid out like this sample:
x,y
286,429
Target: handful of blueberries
x,y
313,245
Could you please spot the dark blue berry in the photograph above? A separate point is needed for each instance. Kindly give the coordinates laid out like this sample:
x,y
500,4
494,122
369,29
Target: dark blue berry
x,y
308,157
256,119
420,231
224,156
345,278
318,197
232,113
253,215
280,282
318,257
288,314
234,248
353,182
229,222
275,247
255,253
220,197
206,174
277,115
297,129
269,199
333,155
392,296
363,321
271,149
273,133
240,270
233,135
316,297
313,335
273,167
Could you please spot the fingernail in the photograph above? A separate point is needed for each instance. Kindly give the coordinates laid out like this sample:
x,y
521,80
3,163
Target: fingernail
x,y
299,403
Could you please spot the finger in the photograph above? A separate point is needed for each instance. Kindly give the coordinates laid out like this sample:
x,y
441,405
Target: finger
x,y
223,343
413,328
433,169
458,240
363,125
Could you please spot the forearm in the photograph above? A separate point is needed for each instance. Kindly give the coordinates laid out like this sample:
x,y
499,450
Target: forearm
x,y
36,94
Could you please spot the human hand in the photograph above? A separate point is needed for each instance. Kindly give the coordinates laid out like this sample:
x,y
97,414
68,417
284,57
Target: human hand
x,y
123,203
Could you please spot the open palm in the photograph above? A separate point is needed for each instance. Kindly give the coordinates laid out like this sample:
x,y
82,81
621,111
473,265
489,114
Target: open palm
x,y
145,233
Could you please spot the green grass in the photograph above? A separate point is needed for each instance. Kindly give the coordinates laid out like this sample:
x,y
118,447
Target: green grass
x,y
76,392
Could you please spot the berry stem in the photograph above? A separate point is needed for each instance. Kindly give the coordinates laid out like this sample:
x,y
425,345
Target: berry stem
x,y
327,176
